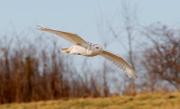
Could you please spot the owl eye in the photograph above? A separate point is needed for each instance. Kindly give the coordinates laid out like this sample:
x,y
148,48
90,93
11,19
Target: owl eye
x,y
97,47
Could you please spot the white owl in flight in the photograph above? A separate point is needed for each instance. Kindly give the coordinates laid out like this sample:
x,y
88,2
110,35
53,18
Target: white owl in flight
x,y
82,47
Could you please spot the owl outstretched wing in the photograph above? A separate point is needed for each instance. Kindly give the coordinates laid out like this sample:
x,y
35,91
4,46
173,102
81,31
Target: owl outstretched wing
x,y
74,38
120,62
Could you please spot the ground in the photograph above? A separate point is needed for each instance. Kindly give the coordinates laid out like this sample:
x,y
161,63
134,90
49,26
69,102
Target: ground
x,y
141,101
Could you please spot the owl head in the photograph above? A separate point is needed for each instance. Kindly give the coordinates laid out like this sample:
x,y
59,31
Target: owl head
x,y
97,48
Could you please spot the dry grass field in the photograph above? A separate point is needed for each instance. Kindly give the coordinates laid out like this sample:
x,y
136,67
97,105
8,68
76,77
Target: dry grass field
x,y
141,101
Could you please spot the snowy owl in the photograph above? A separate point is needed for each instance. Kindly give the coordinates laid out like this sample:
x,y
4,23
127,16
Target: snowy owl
x,y
82,47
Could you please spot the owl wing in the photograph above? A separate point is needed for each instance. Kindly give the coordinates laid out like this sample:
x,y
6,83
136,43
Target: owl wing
x,y
120,62
74,38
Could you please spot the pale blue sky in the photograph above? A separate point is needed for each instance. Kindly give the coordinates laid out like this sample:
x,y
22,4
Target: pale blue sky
x,y
80,16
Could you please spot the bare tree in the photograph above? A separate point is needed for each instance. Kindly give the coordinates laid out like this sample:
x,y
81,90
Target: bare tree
x,y
123,31
162,59
127,29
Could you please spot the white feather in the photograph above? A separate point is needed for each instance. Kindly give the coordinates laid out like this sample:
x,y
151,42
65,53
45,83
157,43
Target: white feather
x,y
85,48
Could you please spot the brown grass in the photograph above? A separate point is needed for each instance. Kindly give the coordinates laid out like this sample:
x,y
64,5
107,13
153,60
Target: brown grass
x,y
141,101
